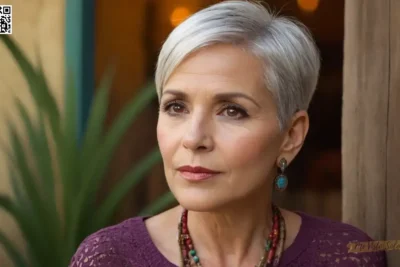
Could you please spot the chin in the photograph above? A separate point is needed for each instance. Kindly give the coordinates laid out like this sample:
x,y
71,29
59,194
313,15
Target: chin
x,y
200,201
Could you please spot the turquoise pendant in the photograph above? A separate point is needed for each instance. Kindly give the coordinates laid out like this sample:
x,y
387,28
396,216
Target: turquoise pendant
x,y
281,182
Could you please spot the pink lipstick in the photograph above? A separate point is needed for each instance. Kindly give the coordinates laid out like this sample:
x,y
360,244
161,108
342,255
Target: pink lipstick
x,y
196,173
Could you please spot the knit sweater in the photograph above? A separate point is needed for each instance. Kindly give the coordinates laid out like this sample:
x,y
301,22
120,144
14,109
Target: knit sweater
x,y
319,242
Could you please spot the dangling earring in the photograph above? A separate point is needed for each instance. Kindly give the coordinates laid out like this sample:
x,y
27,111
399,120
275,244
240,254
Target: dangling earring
x,y
281,181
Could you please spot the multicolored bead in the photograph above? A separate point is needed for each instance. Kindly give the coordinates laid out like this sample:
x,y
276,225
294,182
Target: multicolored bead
x,y
273,244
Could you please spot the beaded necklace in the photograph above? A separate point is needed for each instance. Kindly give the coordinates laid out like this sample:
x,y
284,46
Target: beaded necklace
x,y
273,244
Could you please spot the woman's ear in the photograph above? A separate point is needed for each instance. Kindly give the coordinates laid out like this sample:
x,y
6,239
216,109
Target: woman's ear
x,y
295,135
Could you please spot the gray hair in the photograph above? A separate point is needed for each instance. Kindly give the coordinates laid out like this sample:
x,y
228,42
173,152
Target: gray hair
x,y
285,47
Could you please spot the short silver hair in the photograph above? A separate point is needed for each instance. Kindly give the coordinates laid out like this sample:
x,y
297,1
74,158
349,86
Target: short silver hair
x,y
285,47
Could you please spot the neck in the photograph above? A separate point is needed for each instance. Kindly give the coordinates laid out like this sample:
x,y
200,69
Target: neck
x,y
232,235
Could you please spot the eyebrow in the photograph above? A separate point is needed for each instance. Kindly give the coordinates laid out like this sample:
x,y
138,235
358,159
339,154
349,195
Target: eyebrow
x,y
219,96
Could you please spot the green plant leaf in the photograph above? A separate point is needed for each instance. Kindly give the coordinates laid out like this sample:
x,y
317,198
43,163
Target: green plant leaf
x,y
15,256
51,109
8,206
70,120
90,145
16,186
25,217
69,151
96,120
39,145
21,202
26,224
159,205
36,81
82,172
91,142
45,163
99,164
94,173
132,178
48,233
21,165
19,194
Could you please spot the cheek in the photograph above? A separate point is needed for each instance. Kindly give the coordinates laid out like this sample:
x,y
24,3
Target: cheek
x,y
162,138
167,140
248,150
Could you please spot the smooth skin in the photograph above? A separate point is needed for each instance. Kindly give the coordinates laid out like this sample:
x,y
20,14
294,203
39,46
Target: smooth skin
x,y
215,112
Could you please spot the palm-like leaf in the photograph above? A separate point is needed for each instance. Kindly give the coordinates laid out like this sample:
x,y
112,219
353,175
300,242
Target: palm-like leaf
x,y
52,235
132,178
14,254
35,79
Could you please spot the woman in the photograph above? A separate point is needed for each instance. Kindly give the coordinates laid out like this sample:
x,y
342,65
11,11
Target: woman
x,y
234,83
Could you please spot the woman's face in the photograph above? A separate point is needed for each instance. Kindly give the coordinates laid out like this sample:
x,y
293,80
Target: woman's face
x,y
217,114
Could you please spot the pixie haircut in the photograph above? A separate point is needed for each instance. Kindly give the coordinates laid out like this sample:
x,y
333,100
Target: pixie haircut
x,y
285,47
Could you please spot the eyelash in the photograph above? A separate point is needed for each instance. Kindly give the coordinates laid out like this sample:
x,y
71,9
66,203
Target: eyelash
x,y
166,108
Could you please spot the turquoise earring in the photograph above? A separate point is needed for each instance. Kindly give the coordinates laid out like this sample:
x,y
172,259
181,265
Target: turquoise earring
x,y
281,181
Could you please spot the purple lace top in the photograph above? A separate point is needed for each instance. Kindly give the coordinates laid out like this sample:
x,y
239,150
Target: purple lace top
x,y
320,242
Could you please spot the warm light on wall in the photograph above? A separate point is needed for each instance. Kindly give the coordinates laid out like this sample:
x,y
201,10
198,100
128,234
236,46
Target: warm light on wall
x,y
308,5
178,15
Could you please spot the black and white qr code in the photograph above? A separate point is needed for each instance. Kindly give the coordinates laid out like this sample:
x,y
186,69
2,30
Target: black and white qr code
x,y
5,19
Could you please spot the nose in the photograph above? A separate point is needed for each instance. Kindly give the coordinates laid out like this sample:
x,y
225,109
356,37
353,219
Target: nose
x,y
198,135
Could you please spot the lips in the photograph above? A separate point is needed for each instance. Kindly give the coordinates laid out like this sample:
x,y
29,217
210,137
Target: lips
x,y
196,169
196,173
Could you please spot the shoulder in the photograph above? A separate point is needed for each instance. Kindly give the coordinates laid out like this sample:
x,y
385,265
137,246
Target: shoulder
x,y
118,245
330,243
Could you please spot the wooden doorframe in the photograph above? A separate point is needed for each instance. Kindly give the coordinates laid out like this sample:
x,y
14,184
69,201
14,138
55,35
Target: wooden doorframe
x,y
371,119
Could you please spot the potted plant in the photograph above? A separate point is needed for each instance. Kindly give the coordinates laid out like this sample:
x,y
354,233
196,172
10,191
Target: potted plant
x,y
54,155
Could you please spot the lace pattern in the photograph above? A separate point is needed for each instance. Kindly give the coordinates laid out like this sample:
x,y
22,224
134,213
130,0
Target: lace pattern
x,y
320,242
328,246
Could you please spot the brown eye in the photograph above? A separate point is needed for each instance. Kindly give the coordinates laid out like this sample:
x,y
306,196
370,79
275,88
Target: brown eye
x,y
174,108
231,112
234,112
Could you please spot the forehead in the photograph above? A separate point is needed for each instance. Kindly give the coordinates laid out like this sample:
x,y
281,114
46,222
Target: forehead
x,y
219,67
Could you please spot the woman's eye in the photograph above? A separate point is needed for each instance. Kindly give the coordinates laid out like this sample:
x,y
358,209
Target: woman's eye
x,y
234,112
231,112
177,108
174,108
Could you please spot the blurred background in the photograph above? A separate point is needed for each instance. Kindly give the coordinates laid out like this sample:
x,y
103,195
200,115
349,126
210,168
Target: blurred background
x,y
88,36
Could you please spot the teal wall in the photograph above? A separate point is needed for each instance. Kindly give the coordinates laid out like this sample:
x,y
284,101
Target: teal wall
x,y
79,54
